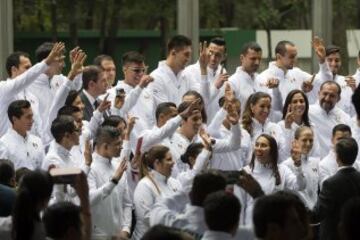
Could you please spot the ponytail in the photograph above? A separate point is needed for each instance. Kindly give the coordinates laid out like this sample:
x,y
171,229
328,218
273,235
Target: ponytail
x,y
157,152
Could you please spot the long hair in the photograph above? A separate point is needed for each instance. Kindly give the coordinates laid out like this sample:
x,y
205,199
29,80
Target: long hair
x,y
35,189
148,159
305,117
274,154
248,114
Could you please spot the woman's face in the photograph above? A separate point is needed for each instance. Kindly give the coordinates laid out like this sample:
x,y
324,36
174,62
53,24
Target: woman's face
x,y
298,104
261,109
262,150
78,103
306,141
165,165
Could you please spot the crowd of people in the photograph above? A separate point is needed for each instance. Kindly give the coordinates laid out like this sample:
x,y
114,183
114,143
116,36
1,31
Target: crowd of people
x,y
185,152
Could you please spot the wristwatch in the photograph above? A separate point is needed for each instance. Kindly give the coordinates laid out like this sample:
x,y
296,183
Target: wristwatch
x,y
114,181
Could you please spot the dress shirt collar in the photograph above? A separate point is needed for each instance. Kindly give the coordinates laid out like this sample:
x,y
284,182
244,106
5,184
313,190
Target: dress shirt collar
x,y
167,68
257,124
15,134
91,98
344,167
100,159
261,167
332,111
159,177
242,71
61,151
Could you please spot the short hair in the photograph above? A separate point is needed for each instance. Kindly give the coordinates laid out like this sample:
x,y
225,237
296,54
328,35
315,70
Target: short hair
x,y
347,150
15,109
43,51
177,42
7,172
341,128
13,60
349,218
100,58
333,83
132,57
61,125
164,108
331,49
192,150
161,232
113,120
204,184
106,134
222,211
218,41
72,95
250,45
90,73
60,217
281,47
68,110
274,208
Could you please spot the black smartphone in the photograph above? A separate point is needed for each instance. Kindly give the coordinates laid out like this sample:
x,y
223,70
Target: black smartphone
x,y
120,92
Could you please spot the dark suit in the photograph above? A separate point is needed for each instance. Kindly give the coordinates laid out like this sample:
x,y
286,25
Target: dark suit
x,y
336,190
89,108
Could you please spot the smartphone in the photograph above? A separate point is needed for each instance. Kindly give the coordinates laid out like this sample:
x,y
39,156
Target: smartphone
x,y
120,92
231,177
64,175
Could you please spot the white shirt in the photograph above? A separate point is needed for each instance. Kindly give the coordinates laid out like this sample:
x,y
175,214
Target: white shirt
x,y
111,204
325,122
9,89
146,195
264,175
23,152
310,167
345,102
327,166
168,87
176,211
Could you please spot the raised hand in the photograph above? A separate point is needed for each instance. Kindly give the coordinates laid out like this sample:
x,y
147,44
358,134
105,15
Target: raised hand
x,y
289,117
120,170
77,65
104,104
194,106
206,139
272,83
233,117
145,80
351,82
56,54
307,85
204,58
223,77
319,48
296,153
88,152
73,53
131,121
249,184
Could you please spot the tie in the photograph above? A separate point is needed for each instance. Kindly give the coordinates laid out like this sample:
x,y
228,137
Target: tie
x,y
96,104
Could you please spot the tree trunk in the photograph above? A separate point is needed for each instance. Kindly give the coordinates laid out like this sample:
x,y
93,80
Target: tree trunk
x,y
73,27
89,23
110,43
164,34
53,12
103,32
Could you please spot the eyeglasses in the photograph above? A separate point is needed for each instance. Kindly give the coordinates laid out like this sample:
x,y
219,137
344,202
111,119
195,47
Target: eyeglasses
x,y
138,70
216,54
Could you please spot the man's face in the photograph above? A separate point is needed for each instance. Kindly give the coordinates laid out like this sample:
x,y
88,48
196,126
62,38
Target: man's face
x,y
251,61
182,56
133,72
328,96
25,122
288,60
24,65
217,54
109,68
75,136
334,62
340,135
114,148
101,84
78,116
194,122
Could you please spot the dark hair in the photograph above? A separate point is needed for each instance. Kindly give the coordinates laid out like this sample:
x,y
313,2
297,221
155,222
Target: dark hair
x,y
332,49
113,120
132,57
161,232
355,99
300,129
274,154
15,109
90,73
274,209
68,110
163,108
250,45
333,83
305,117
248,114
222,211
192,150
13,60
204,184
197,95
349,218
61,125
177,42
157,152
100,58
60,217
281,47
347,150
218,41
341,128
106,134
7,172
43,51
20,173
35,189
72,95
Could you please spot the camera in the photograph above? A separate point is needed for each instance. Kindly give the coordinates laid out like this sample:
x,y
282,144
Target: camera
x,y
64,175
